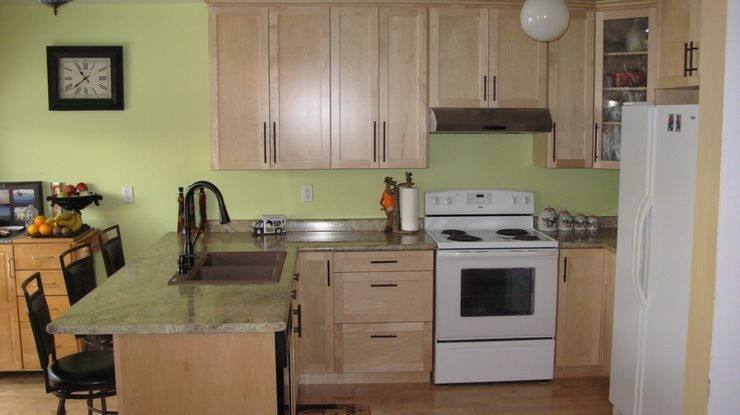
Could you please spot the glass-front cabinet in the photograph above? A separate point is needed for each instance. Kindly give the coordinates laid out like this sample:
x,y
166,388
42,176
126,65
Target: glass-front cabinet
x,y
624,73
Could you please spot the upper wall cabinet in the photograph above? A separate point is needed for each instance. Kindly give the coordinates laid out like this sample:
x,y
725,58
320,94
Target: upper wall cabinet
x,y
379,109
624,73
481,58
679,28
571,98
239,88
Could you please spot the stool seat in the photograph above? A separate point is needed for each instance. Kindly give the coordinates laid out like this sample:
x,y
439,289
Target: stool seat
x,y
83,371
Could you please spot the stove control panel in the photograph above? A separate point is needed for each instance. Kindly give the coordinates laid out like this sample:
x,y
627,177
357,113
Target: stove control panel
x,y
479,202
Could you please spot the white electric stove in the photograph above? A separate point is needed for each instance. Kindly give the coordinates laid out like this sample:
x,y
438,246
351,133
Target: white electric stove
x,y
496,287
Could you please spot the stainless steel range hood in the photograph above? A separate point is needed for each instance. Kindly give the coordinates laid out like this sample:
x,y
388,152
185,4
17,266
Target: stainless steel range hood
x,y
489,120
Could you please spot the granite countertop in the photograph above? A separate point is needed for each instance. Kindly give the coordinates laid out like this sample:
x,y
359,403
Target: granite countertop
x,y
137,299
603,238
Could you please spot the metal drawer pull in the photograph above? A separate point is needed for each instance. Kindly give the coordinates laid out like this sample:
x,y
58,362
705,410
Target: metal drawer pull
x,y
383,336
297,276
42,257
384,285
384,261
299,328
293,294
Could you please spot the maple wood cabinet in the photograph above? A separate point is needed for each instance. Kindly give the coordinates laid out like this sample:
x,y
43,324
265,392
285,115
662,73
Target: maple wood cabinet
x,y
482,58
584,313
679,23
10,350
570,97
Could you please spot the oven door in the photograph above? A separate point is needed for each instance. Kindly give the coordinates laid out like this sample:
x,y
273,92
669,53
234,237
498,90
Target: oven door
x,y
496,294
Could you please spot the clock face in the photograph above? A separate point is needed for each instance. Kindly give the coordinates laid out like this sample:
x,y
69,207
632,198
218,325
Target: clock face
x,y
85,78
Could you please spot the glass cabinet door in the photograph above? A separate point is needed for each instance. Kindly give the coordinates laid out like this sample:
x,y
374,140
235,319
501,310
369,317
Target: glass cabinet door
x,y
623,74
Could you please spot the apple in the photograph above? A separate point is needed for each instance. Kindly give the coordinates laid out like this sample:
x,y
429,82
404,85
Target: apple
x,y
81,187
70,189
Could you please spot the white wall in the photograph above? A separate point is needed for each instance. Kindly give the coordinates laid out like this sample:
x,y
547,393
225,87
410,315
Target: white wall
x,y
724,374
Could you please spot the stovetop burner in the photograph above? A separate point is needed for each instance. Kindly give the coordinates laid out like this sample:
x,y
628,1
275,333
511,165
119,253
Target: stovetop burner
x,y
512,232
527,237
453,232
464,238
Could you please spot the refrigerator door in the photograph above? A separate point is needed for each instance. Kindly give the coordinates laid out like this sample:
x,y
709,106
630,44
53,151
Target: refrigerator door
x,y
669,278
635,181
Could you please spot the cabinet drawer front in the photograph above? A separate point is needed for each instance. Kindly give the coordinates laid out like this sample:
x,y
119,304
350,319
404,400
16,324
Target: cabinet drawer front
x,y
53,281
390,347
38,256
384,261
383,297
66,344
58,305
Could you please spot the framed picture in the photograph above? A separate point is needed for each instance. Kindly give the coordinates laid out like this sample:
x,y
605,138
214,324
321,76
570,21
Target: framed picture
x,y
15,197
85,78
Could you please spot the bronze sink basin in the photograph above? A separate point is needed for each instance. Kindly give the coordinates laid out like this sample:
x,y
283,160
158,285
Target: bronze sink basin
x,y
233,268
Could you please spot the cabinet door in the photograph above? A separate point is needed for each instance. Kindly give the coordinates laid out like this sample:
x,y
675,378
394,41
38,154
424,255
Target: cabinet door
x,y
678,27
316,341
403,87
354,87
624,62
458,57
10,343
518,64
239,88
571,97
580,308
299,87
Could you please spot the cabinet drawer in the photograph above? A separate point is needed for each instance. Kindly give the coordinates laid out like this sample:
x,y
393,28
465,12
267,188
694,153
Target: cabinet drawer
x,y
58,305
383,297
53,282
38,256
66,344
389,347
384,261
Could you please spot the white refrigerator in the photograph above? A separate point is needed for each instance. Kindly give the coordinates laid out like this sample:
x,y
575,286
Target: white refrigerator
x,y
657,183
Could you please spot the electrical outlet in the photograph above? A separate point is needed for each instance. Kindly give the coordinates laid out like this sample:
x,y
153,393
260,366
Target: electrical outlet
x,y
128,193
307,193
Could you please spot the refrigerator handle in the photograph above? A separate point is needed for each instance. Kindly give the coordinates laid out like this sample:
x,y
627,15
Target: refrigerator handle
x,y
640,237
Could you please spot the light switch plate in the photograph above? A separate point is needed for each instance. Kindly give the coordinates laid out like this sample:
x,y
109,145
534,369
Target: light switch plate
x,y
127,192
306,193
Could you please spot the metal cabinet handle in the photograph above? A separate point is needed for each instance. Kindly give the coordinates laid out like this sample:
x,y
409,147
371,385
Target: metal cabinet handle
x,y
375,141
485,88
274,142
293,294
297,276
384,285
328,273
565,270
692,49
494,87
384,261
383,336
685,59
264,141
596,140
42,257
384,143
298,329
11,272
554,139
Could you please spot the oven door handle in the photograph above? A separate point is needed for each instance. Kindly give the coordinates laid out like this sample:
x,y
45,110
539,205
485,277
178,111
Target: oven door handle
x,y
552,252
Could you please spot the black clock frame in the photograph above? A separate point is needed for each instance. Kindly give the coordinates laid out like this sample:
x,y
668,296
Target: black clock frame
x,y
114,53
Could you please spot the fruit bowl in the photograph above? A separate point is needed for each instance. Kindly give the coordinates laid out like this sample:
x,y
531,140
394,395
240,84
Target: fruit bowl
x,y
82,230
76,203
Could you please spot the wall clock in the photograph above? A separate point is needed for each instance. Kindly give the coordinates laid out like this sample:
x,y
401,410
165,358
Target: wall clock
x,y
85,78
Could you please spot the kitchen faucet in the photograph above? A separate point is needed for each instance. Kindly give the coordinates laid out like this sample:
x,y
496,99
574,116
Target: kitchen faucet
x,y
187,258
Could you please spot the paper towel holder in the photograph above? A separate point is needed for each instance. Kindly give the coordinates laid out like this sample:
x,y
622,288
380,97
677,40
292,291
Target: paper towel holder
x,y
408,216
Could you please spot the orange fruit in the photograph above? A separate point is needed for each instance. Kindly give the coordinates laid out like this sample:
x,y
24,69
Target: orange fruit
x,y
40,220
33,229
46,230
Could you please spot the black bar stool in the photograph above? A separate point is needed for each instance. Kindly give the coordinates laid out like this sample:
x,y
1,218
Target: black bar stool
x,y
111,247
78,268
84,376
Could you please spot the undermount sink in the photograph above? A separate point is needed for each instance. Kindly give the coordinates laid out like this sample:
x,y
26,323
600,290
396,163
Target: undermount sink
x,y
222,268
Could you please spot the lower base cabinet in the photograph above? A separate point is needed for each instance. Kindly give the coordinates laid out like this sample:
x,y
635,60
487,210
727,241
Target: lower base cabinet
x,y
366,316
584,314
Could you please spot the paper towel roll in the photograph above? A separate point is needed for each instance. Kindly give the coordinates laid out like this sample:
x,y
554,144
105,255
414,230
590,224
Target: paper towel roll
x,y
409,209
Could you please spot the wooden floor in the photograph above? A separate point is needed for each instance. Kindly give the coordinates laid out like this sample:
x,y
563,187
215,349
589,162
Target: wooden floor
x,y
23,394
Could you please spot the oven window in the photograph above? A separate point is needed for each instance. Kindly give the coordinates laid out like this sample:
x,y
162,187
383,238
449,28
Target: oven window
x,y
497,292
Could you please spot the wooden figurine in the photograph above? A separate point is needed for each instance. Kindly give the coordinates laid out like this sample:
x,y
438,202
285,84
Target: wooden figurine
x,y
389,203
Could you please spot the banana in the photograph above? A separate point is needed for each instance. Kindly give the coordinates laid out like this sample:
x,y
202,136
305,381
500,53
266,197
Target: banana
x,y
77,223
66,219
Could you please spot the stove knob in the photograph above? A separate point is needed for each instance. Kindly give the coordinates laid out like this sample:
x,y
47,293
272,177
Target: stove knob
x,y
447,201
435,201
513,200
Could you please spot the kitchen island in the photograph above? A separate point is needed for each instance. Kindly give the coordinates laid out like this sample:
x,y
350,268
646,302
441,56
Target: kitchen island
x,y
207,348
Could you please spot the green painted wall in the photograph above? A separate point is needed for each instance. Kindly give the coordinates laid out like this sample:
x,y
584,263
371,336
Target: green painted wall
x,y
161,140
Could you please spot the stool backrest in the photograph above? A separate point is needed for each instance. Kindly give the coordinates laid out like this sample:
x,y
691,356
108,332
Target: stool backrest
x,y
39,317
111,247
78,268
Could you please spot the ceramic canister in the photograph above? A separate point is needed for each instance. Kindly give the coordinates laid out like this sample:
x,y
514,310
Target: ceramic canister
x,y
565,221
592,223
547,221
580,222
